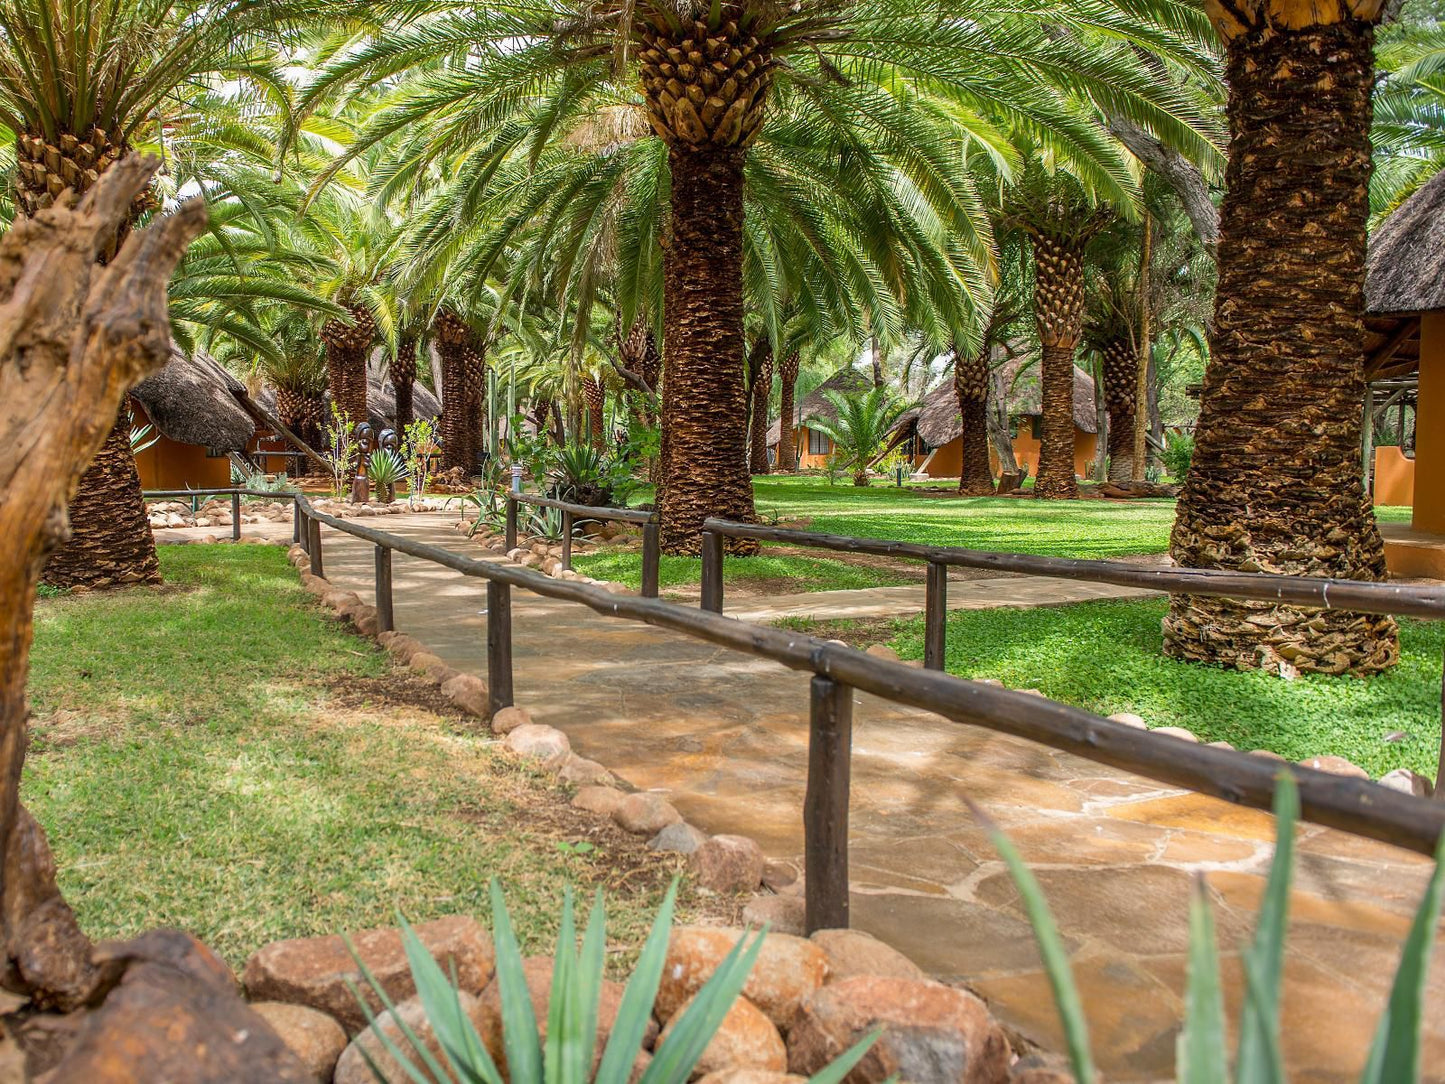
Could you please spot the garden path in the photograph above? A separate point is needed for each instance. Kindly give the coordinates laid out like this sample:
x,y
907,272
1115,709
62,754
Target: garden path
x,y
725,736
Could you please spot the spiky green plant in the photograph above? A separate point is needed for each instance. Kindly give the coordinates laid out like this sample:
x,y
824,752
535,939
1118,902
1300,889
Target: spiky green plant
x,y
1203,1050
859,429
567,1055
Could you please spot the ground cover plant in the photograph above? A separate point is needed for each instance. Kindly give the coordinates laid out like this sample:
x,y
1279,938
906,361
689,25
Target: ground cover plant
x,y
1106,657
218,755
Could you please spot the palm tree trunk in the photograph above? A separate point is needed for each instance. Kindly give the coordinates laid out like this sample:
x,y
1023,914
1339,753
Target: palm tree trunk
x,y
970,385
787,435
1121,367
596,396
347,348
111,544
403,379
1059,312
1275,484
760,366
704,399
457,421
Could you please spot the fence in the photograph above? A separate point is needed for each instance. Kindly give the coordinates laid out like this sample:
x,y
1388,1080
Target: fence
x,y
571,512
1352,805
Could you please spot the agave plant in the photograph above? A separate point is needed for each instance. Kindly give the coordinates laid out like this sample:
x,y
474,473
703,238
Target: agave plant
x,y
567,1054
1203,1054
385,468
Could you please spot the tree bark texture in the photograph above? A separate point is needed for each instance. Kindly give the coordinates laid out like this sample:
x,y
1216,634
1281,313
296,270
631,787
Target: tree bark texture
x,y
1059,313
1121,368
1275,484
760,366
347,348
595,395
458,421
787,435
74,338
403,379
970,385
704,398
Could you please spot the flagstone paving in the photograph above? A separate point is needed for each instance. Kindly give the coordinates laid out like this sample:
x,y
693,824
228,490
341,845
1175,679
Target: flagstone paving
x,y
725,736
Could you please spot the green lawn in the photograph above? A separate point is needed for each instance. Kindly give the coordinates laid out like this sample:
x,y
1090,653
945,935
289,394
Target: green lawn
x,y
1106,656
219,755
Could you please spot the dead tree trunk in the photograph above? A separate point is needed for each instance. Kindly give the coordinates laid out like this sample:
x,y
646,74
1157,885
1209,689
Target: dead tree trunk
x,y
74,337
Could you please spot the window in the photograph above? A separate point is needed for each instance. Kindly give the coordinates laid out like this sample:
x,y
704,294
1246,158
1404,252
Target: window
x,y
1038,426
818,444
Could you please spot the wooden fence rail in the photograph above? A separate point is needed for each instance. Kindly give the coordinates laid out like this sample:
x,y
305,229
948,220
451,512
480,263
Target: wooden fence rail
x,y
1352,805
571,513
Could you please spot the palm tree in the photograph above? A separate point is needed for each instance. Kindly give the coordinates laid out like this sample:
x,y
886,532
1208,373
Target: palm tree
x,y
760,389
80,80
1275,484
464,367
835,77
1059,216
788,365
861,429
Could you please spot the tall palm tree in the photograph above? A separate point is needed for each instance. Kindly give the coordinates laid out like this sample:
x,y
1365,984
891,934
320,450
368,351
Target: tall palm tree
x,y
80,83
712,81
788,366
1059,216
464,366
1275,483
760,389
861,427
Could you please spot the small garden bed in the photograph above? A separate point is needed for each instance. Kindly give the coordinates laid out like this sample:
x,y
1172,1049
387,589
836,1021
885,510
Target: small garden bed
x,y
219,755
1107,657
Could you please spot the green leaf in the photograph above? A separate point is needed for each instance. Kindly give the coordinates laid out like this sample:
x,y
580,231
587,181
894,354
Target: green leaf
x,y
1395,1052
1258,1059
1201,1057
842,1065
1051,947
673,1061
418,1047
560,1054
635,1012
519,1023
590,963
444,1011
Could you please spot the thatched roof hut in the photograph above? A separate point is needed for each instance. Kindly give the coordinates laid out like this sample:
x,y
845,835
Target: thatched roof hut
x,y
192,400
846,381
1405,269
938,422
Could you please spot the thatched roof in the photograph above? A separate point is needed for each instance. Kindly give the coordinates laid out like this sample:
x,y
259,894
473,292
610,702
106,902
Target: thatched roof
x,y
380,400
938,420
192,401
1405,269
846,381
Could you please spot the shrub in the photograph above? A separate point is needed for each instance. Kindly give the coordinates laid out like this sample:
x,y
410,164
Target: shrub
x,y
567,1054
1178,454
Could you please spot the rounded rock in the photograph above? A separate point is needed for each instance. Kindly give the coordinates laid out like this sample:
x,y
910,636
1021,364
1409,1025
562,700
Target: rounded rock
x,y
853,952
1128,718
1176,732
468,692
352,1067
931,1033
781,914
603,800
882,651
645,813
509,719
787,971
538,742
746,1039
314,1037
1335,766
728,864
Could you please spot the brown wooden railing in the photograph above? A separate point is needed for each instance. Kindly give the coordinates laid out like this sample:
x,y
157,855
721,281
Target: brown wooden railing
x,y
1352,805
235,494
571,513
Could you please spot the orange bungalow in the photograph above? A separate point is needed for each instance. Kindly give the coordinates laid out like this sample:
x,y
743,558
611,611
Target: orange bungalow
x,y
934,432
814,447
203,419
1405,366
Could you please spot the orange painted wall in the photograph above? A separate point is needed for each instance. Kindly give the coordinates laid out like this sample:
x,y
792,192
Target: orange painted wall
x,y
1430,427
167,464
1394,477
947,461
809,461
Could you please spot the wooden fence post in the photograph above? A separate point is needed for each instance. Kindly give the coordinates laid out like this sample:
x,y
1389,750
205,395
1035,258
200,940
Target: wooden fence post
x,y
235,516
935,616
651,558
303,529
712,571
385,619
315,548
296,515
825,806
511,523
566,539
499,645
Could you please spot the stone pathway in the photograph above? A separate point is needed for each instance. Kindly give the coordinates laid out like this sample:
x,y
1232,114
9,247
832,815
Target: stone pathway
x,y
725,735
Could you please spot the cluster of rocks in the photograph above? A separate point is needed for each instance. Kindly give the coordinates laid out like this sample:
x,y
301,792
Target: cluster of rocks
x,y
546,556
216,513
806,1001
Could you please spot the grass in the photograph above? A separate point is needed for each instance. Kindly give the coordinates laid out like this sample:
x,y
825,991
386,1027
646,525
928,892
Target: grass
x,y
1107,657
218,755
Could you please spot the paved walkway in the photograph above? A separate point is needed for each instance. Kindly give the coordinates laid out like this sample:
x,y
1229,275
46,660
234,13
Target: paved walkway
x,y
725,735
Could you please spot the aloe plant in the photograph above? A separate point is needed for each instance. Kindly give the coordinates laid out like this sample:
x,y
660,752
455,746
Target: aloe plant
x,y
567,1054
1202,1055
